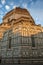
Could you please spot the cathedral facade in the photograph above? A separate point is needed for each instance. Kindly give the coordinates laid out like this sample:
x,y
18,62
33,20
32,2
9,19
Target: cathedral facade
x,y
21,40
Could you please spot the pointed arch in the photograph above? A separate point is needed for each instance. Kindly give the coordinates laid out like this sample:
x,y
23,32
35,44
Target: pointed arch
x,y
24,31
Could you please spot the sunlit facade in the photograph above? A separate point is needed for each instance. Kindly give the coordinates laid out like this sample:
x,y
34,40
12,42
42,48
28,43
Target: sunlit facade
x,y
21,40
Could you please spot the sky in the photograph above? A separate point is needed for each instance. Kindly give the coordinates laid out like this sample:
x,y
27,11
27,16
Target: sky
x,y
35,7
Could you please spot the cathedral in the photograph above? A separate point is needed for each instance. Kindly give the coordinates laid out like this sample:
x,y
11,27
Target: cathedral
x,y
21,40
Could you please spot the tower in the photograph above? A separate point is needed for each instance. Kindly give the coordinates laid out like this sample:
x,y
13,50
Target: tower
x,y
22,38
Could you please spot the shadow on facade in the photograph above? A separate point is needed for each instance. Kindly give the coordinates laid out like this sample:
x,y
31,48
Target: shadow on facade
x,y
21,49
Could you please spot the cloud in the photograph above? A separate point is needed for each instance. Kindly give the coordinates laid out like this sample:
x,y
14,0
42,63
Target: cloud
x,y
3,2
1,16
37,14
38,20
20,1
7,7
1,12
37,4
14,6
31,0
0,6
24,5
11,3
32,3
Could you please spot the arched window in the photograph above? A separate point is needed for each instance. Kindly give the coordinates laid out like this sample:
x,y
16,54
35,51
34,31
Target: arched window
x,y
24,31
9,42
33,41
0,60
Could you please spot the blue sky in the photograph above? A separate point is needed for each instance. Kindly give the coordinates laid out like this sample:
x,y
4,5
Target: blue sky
x,y
35,7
